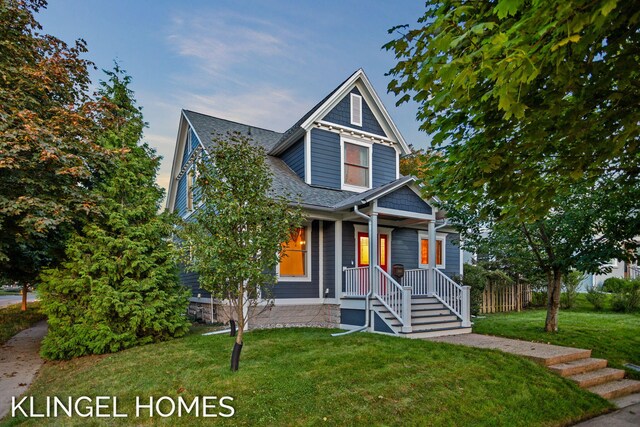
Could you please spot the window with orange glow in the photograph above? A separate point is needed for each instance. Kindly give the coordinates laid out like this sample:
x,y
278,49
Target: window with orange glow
x,y
424,252
294,255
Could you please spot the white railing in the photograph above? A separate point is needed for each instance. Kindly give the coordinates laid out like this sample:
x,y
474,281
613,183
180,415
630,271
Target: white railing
x,y
418,279
634,272
356,281
396,298
455,297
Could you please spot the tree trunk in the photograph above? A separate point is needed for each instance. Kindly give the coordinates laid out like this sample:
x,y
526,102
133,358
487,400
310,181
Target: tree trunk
x,y
25,289
237,347
554,284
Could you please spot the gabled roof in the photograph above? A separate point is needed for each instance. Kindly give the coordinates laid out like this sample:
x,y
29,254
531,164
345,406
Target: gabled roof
x,y
374,193
323,107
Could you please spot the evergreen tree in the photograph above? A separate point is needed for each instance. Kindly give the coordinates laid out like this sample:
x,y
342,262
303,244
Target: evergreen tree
x,y
118,287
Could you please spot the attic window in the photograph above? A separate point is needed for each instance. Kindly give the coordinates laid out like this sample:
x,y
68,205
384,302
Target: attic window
x,y
356,109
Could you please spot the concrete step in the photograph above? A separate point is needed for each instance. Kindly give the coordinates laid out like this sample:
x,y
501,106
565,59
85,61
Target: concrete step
x,y
617,388
418,334
578,366
600,376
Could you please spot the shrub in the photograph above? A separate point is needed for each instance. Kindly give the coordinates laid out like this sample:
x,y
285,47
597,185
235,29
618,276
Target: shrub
x,y
614,284
596,298
628,298
476,277
570,286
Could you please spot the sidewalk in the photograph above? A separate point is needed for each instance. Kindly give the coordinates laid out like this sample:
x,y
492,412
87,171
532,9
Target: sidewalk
x,y
19,363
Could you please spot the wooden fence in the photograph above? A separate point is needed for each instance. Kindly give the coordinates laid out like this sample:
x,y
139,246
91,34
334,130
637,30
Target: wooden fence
x,y
498,298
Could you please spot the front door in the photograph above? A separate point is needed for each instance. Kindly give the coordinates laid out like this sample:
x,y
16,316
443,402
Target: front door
x,y
363,255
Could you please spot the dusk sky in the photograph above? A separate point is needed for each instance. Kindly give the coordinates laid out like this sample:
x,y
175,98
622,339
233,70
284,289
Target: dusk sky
x,y
263,63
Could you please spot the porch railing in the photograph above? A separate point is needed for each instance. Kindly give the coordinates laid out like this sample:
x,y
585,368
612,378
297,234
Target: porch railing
x,y
418,279
634,272
455,297
356,281
395,297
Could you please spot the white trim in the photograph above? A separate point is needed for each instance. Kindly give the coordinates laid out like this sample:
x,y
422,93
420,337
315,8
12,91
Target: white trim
x,y
307,277
357,133
405,214
307,157
304,301
359,228
369,147
321,258
424,235
461,273
354,100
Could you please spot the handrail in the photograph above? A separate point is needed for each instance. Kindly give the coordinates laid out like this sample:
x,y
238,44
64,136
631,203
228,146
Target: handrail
x,y
392,298
449,293
418,279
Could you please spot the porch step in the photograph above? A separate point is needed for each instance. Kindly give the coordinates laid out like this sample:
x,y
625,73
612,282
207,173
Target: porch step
x,y
600,376
428,306
445,320
579,366
429,312
618,388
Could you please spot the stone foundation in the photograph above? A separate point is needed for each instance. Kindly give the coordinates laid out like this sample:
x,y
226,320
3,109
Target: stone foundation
x,y
285,316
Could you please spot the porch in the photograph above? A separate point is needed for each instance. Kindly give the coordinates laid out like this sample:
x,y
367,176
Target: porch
x,y
423,302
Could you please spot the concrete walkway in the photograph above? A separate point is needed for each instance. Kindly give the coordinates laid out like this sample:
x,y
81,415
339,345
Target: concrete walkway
x,y
19,363
545,354
625,417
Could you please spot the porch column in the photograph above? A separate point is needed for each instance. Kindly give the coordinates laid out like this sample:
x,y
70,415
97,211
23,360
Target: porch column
x,y
338,258
432,258
373,250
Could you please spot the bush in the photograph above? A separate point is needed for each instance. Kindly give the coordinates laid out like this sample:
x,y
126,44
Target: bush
x,y
614,284
628,298
596,298
570,286
476,277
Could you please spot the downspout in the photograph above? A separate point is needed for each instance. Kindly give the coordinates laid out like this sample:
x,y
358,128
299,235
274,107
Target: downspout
x,y
367,310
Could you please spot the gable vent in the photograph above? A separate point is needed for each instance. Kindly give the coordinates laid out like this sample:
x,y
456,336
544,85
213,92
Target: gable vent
x,y
356,109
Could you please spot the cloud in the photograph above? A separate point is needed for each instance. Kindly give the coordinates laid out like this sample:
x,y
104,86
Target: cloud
x,y
223,40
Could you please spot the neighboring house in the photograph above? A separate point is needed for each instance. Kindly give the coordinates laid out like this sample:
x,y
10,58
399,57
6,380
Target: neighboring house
x,y
341,162
619,269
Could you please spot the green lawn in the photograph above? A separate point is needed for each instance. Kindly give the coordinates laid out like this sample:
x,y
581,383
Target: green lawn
x,y
307,377
611,336
3,292
12,320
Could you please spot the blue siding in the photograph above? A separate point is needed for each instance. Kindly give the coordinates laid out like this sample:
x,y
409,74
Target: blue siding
x,y
452,255
329,259
294,157
194,144
348,245
380,325
303,289
349,316
384,164
325,158
405,199
341,115
190,281
181,196
404,247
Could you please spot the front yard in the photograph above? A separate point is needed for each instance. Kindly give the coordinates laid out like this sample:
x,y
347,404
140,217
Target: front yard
x,y
12,320
611,336
305,376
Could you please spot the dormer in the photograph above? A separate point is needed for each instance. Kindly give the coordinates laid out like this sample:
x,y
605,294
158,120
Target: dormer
x,y
346,142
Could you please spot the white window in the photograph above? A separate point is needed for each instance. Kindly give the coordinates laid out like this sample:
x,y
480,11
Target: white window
x,y
423,249
356,165
356,109
191,177
295,264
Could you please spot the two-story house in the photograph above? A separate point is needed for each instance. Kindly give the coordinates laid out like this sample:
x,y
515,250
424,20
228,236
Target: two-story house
x,y
341,162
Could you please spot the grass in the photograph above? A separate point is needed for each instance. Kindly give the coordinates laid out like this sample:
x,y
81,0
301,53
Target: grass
x,y
306,377
12,320
5,292
611,336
